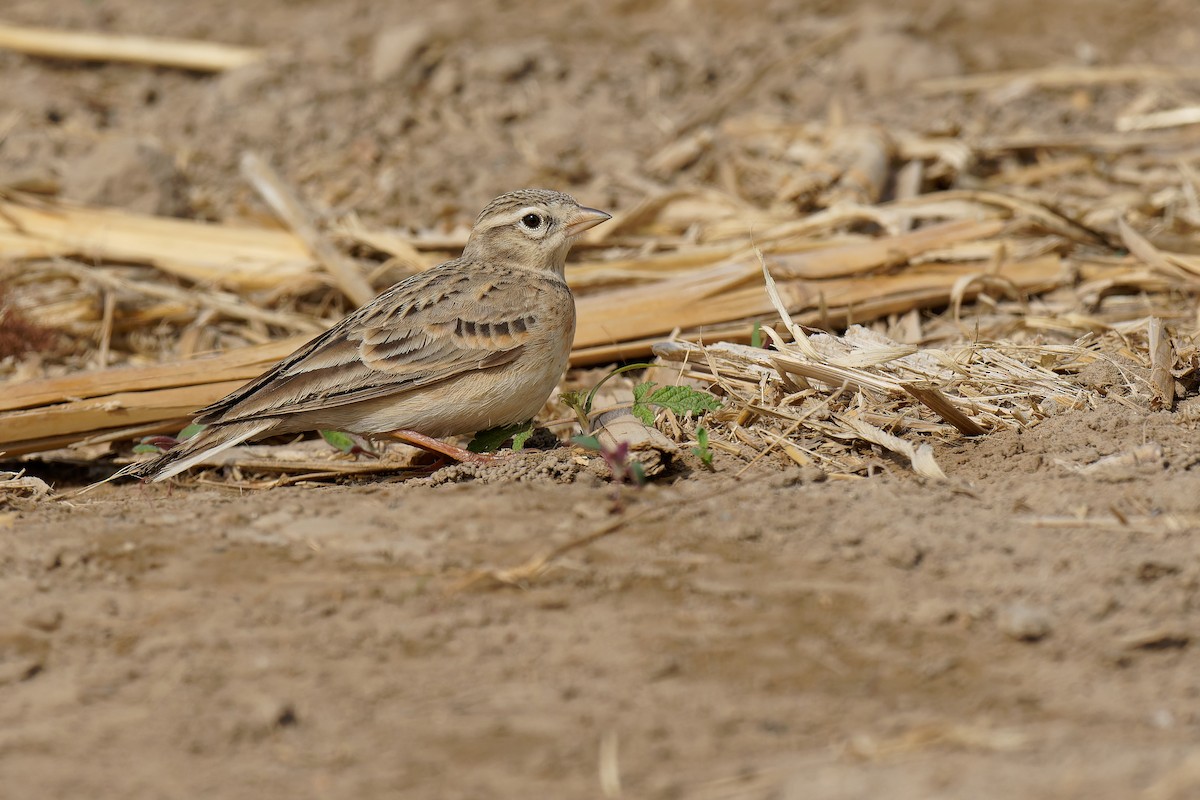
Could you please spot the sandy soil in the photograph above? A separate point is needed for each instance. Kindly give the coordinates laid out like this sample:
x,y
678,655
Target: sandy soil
x,y
1028,629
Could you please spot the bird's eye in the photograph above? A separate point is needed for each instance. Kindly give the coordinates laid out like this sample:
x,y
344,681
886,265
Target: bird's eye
x,y
531,221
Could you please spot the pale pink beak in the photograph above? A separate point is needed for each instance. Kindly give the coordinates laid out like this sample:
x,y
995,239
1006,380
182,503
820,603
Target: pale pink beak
x,y
583,219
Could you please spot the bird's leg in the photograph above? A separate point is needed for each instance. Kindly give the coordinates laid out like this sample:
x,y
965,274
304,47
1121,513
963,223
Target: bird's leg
x,y
441,448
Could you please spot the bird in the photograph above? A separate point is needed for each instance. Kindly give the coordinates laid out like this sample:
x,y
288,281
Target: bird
x,y
475,343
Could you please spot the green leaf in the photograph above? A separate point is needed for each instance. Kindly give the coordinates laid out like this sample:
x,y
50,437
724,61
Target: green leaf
x,y
680,399
190,431
146,448
338,440
520,437
684,400
756,335
642,391
641,409
587,442
644,413
494,438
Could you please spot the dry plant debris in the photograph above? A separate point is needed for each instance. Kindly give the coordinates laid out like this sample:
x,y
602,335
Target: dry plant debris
x,y
20,492
186,54
816,400
1049,254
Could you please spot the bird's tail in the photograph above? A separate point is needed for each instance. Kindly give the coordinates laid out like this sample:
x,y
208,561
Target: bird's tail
x,y
208,442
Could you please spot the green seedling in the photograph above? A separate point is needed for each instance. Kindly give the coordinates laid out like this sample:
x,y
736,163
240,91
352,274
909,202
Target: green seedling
x,y
680,399
494,438
581,402
338,440
623,468
577,402
701,449
345,442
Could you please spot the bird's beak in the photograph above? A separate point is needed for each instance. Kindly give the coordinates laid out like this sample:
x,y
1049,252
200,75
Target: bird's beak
x,y
583,219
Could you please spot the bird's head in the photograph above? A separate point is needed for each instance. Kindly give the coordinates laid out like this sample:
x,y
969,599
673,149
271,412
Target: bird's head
x,y
530,228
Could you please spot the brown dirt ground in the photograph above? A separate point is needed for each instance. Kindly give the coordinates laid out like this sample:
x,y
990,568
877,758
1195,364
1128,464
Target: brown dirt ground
x,y
1026,630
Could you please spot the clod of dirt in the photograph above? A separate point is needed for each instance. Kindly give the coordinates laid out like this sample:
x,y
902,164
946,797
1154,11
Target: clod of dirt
x,y
129,173
395,48
1103,376
904,553
1024,623
21,657
936,611
508,62
46,620
259,715
1151,571
1157,639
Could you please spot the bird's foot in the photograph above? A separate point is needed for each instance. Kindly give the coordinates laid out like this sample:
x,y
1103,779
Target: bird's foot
x,y
442,448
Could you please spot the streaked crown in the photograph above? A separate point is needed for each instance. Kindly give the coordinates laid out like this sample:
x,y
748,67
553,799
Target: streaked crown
x,y
529,228
515,201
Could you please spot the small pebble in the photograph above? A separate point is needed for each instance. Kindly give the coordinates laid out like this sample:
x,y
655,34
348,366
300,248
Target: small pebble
x,y
1163,719
395,48
903,553
935,611
46,620
1024,623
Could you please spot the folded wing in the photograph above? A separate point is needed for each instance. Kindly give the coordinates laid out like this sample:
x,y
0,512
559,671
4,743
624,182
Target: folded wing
x,y
432,327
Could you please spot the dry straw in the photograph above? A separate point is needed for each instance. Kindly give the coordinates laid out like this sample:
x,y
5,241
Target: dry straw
x,y
966,309
186,54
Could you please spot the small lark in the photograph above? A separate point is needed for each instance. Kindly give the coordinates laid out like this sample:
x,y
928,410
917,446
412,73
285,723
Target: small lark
x,y
474,343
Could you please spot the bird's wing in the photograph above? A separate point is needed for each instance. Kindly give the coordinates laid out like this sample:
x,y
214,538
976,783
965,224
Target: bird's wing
x,y
429,328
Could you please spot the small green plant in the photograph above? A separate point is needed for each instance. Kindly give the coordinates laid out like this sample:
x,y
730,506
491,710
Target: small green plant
x,y
577,402
345,443
701,449
191,430
623,468
581,402
680,399
646,396
163,443
338,440
494,438
756,335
